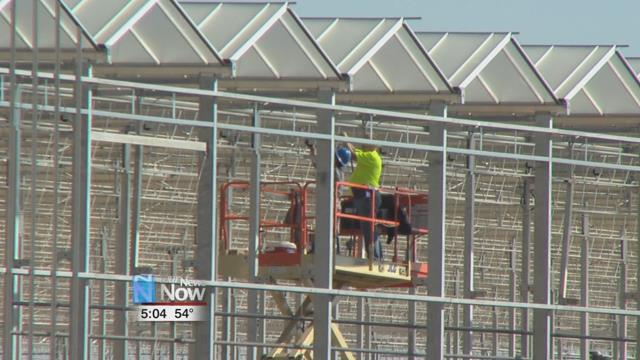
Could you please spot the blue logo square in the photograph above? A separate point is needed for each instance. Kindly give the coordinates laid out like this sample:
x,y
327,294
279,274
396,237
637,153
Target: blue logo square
x,y
144,289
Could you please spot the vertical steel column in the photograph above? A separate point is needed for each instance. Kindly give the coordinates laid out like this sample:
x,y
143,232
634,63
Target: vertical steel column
x,y
542,241
324,238
228,298
437,212
137,193
469,227
123,242
512,297
360,332
253,307
80,236
584,286
53,342
622,298
411,343
11,314
526,260
34,172
566,238
206,236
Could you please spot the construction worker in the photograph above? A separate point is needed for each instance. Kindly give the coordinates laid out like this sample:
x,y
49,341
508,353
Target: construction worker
x,y
367,172
342,159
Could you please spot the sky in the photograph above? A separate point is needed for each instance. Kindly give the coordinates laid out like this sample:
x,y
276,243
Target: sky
x,y
559,22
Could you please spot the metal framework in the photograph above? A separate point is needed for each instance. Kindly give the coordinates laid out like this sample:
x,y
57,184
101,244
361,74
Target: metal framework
x,y
532,221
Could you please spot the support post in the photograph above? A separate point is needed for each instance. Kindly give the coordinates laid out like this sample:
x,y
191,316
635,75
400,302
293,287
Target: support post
x,y
512,297
123,242
137,194
542,241
526,260
11,315
469,227
324,238
80,235
206,236
254,323
584,287
566,237
437,211
622,298
360,331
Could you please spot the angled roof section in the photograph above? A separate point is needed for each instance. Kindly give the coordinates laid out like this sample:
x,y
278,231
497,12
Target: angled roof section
x,y
635,65
379,55
594,80
46,27
262,41
491,71
145,32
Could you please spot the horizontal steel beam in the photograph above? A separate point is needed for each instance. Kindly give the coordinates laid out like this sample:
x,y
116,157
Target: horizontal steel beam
x,y
448,121
148,141
344,293
315,136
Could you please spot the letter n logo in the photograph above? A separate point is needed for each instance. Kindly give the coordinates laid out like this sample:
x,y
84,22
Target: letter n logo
x,y
144,289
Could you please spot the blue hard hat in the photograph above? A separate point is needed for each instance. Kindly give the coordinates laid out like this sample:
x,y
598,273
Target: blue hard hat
x,y
343,156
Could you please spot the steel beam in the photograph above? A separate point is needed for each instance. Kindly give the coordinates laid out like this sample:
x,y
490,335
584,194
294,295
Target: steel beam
x,y
638,273
53,341
622,298
469,229
526,260
11,313
81,225
566,237
324,236
360,332
123,242
137,193
437,211
584,287
411,343
542,241
253,307
206,236
512,297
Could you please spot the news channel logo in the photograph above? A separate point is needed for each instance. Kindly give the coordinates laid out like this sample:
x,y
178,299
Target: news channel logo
x,y
180,299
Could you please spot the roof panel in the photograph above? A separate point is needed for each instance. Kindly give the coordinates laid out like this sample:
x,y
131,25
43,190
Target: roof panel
x,y
169,44
515,90
489,68
614,92
368,80
157,27
385,51
228,26
131,50
343,36
635,65
46,25
593,79
276,44
558,64
404,70
451,51
95,15
290,61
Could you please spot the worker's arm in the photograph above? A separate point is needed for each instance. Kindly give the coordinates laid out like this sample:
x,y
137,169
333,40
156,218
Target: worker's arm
x,y
351,148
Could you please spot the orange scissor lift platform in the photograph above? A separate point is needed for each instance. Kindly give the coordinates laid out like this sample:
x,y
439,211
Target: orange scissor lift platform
x,y
293,259
297,262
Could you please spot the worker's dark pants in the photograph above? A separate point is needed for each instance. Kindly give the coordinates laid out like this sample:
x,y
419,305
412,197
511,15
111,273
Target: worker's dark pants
x,y
362,203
